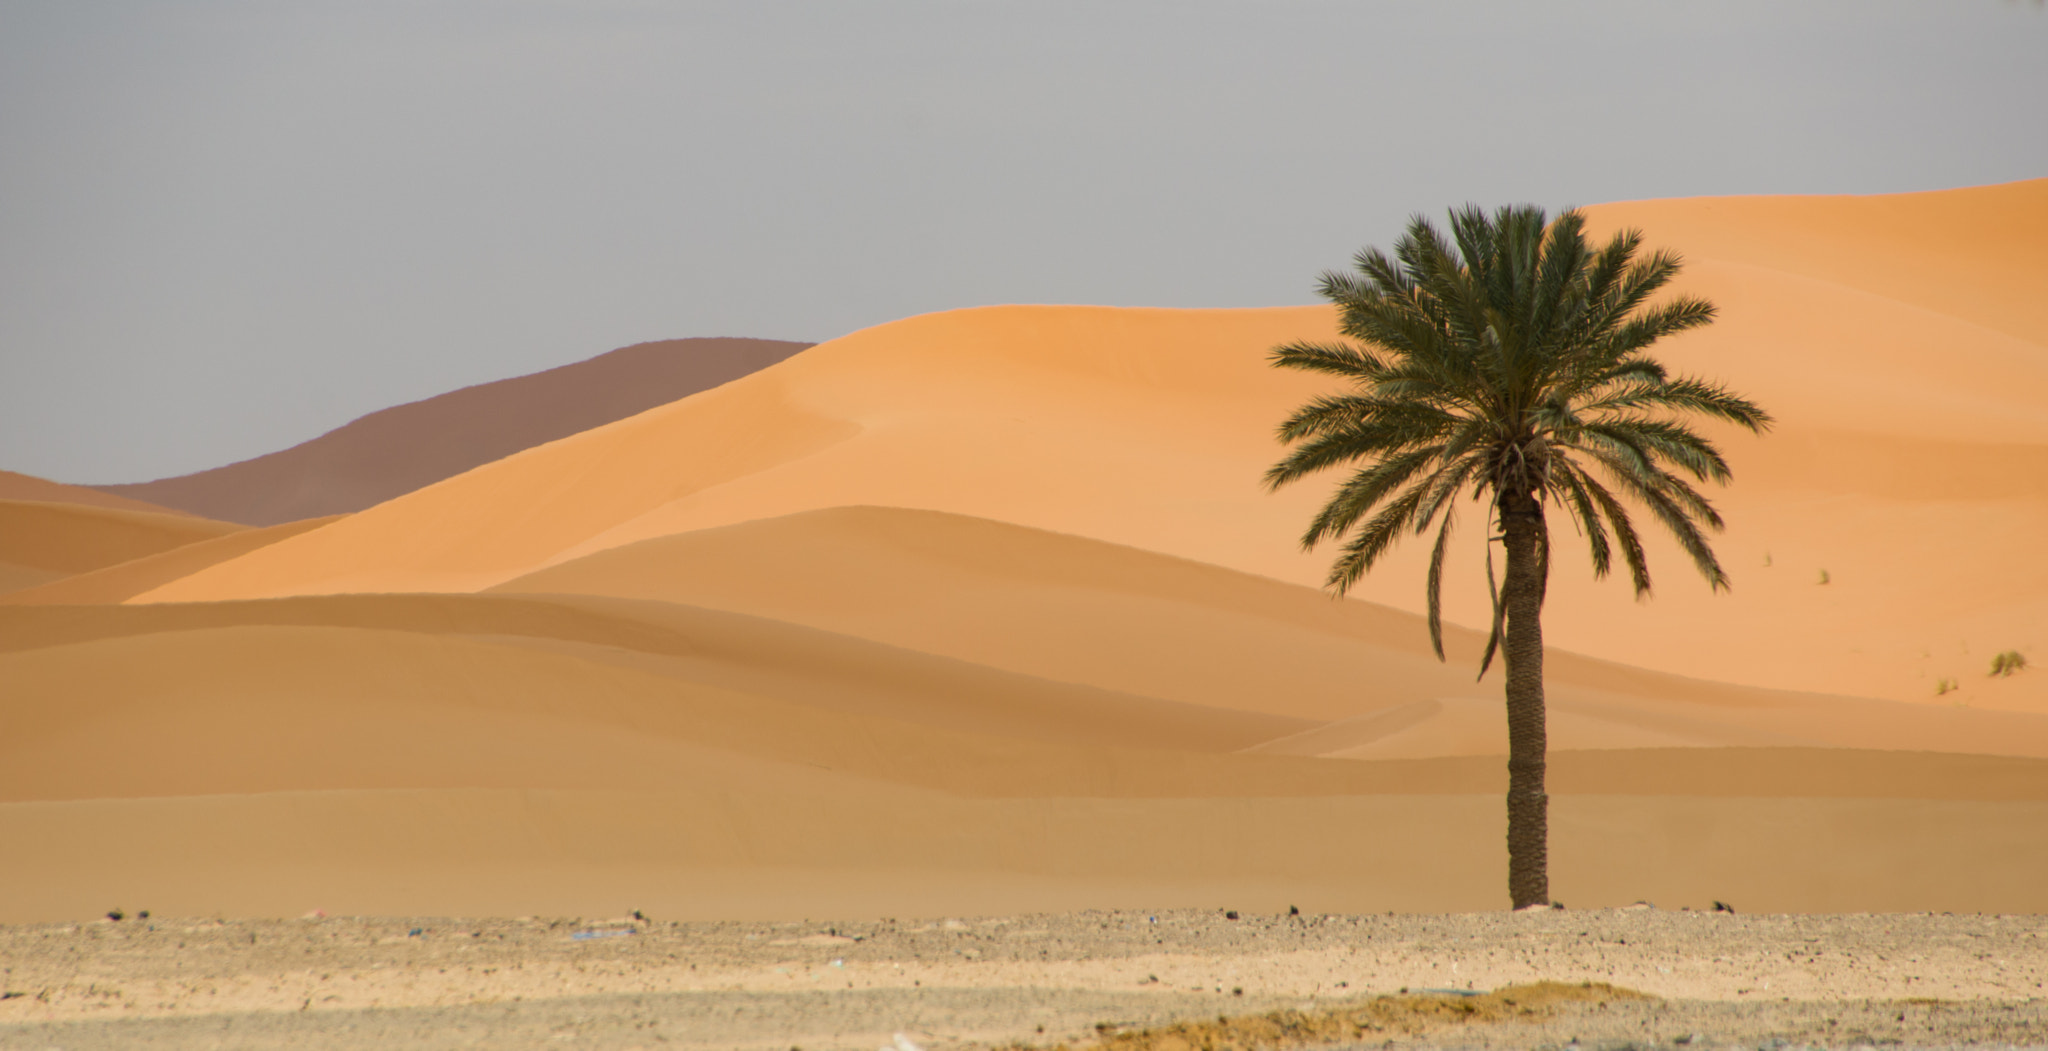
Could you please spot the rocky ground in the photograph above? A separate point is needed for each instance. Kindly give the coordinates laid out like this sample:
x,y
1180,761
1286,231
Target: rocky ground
x,y
1715,980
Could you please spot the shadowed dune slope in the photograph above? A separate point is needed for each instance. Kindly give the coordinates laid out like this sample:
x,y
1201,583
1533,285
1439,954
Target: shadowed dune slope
x,y
125,580
397,450
41,542
1077,610
724,650
17,486
487,753
1910,418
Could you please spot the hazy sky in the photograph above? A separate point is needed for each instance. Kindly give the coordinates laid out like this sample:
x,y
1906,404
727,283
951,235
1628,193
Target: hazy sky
x,y
226,227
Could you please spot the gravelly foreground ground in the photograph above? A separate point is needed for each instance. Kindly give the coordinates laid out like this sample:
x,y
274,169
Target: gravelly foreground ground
x,y
1722,980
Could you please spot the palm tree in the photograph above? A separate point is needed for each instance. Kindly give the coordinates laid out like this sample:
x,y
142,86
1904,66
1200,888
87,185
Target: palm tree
x,y
1509,361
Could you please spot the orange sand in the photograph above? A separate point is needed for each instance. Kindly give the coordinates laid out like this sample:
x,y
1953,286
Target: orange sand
x,y
125,580
42,542
986,611
17,486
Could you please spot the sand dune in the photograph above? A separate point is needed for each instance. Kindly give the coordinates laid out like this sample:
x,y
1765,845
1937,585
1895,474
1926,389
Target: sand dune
x,y
1077,610
17,486
986,611
397,450
1906,421
252,756
125,580
1033,415
42,542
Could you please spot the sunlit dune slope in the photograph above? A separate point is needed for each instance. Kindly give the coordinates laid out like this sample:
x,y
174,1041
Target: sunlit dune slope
x,y
1146,425
414,753
396,450
17,486
1907,466
1902,342
1076,610
125,580
41,542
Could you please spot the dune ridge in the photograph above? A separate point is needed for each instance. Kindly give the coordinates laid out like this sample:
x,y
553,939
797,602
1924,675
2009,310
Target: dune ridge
x,y
42,542
125,580
394,451
17,486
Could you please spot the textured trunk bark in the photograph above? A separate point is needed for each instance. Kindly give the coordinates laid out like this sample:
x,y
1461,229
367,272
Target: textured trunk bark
x,y
1522,649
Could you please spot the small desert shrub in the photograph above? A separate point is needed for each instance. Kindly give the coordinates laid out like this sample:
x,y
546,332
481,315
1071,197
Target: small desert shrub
x,y
2007,663
1945,686
1824,576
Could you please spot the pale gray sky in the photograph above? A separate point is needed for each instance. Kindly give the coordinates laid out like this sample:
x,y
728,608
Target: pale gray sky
x,y
229,225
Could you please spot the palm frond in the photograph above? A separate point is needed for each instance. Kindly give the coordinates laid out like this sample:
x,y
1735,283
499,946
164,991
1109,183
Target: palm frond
x,y
1374,538
1571,482
1336,359
1364,491
1436,582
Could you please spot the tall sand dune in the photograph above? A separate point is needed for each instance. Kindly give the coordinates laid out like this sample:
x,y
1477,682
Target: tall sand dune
x,y
397,450
1909,421
42,542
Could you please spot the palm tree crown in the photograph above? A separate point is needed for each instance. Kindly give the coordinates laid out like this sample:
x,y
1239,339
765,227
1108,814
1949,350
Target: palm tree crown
x,y
1509,359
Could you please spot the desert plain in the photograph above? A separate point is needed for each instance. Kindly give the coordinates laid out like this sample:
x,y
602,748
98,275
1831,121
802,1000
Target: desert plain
x,y
984,617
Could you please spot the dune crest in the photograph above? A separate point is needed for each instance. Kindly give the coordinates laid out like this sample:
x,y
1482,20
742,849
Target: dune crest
x,y
397,450
17,486
125,580
43,542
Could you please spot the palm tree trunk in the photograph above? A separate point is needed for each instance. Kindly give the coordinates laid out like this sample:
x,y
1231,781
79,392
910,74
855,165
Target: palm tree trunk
x,y
1522,649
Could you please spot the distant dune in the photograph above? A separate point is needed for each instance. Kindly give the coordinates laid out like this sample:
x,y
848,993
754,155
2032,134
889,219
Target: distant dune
x,y
42,542
987,611
400,449
124,580
16,486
